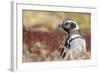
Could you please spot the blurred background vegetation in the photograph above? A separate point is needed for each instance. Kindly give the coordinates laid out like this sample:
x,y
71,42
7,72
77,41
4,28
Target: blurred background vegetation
x,y
50,19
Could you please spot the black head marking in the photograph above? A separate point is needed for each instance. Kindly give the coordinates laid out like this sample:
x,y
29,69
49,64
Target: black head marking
x,y
73,25
67,26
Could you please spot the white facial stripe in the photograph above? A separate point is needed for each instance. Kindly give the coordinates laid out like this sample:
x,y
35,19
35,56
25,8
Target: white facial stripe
x,y
77,27
69,21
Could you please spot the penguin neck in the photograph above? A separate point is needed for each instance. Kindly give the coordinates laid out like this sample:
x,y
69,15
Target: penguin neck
x,y
72,32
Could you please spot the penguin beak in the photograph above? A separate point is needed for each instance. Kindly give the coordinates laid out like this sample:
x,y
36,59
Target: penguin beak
x,y
60,25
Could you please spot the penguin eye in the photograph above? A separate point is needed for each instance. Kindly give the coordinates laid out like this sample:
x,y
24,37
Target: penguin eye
x,y
68,25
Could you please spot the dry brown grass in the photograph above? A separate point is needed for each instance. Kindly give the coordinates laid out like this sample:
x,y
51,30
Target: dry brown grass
x,y
46,55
